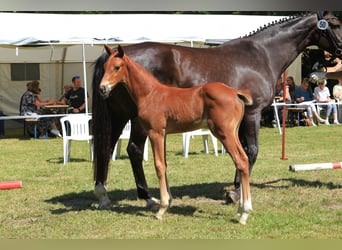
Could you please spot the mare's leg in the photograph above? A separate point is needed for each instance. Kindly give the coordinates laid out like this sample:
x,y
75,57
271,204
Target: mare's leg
x,y
158,147
109,118
104,142
135,150
248,132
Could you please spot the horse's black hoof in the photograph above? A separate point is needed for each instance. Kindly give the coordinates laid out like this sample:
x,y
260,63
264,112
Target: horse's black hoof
x,y
232,196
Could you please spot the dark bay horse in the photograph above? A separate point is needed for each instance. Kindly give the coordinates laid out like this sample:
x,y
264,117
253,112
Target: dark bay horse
x,y
163,110
253,62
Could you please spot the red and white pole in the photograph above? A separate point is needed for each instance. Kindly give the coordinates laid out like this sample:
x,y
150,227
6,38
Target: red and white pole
x,y
315,166
11,184
283,157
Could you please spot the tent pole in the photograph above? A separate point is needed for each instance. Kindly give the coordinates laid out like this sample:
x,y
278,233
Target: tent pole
x,y
85,78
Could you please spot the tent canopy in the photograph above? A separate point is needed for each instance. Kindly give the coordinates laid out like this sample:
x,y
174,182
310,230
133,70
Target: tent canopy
x,y
23,29
65,45
69,29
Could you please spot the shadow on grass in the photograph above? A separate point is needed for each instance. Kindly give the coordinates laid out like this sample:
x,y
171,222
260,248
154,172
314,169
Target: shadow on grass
x,y
86,200
210,192
295,182
60,160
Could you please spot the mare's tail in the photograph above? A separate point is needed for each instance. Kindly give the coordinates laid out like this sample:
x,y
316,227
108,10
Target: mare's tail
x,y
102,127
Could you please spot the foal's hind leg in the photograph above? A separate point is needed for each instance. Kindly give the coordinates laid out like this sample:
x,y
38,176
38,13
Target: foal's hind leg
x,y
234,148
249,131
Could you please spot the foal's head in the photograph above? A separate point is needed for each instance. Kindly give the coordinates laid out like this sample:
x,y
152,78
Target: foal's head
x,y
114,71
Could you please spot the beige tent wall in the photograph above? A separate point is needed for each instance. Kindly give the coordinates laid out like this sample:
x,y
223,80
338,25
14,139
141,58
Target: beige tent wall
x,y
295,70
54,75
58,64
11,91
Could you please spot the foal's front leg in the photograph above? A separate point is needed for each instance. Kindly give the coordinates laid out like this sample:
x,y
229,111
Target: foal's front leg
x,y
158,147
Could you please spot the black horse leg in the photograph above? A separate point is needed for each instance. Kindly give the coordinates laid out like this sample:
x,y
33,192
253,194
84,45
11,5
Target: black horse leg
x,y
135,150
103,147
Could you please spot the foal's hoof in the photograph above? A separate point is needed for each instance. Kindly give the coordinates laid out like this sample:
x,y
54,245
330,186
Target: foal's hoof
x,y
158,216
232,196
243,219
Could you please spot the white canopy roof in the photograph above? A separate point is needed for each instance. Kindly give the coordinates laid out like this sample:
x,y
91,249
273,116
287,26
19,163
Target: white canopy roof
x,y
55,39
24,29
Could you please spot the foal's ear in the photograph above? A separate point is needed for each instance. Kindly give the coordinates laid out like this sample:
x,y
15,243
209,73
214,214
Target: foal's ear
x,y
121,52
109,50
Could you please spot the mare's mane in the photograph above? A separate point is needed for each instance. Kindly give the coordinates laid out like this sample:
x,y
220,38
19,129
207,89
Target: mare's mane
x,y
273,23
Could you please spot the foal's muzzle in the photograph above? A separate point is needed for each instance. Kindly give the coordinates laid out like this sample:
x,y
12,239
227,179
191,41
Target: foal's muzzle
x,y
104,90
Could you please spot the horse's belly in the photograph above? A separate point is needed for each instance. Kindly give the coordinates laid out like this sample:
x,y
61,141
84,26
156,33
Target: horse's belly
x,y
180,127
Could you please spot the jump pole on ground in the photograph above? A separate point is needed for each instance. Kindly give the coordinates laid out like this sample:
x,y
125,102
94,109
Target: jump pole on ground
x,y
315,166
10,184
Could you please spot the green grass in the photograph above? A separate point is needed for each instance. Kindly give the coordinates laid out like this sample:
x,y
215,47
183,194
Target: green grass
x,y
57,201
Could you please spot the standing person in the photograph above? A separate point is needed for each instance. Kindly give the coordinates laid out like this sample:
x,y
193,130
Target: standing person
x,y
337,93
335,64
31,104
304,98
76,97
315,76
331,70
322,95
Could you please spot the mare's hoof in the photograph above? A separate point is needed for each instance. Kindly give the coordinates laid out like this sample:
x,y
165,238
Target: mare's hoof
x,y
152,204
105,204
232,196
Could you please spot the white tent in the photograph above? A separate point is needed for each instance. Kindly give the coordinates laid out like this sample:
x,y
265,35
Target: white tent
x,y
65,45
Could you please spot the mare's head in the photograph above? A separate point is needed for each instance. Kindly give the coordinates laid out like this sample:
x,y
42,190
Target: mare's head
x,y
114,71
329,32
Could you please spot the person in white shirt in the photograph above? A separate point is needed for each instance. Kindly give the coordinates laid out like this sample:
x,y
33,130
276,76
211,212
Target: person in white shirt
x,y
322,95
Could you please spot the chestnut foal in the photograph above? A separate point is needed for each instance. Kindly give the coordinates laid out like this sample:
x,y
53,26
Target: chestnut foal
x,y
163,109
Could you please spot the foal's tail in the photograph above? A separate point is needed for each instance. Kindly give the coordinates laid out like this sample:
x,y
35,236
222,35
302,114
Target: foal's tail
x,y
245,96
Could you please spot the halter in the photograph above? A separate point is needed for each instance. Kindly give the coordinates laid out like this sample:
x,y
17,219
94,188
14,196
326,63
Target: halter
x,y
323,27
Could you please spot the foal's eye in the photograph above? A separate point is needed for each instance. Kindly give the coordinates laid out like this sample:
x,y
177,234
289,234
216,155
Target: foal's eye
x,y
116,68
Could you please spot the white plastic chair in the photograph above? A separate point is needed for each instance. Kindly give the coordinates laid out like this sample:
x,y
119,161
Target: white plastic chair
x,y
126,133
75,127
205,133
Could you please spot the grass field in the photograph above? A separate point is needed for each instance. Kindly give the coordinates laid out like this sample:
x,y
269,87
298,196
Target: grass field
x,y
57,201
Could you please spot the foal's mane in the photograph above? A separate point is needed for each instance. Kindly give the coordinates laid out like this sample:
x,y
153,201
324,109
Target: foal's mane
x,y
274,23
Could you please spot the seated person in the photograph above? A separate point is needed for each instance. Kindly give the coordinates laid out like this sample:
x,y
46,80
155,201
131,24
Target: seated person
x,y
322,95
304,98
31,104
279,96
67,88
337,91
333,73
76,97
